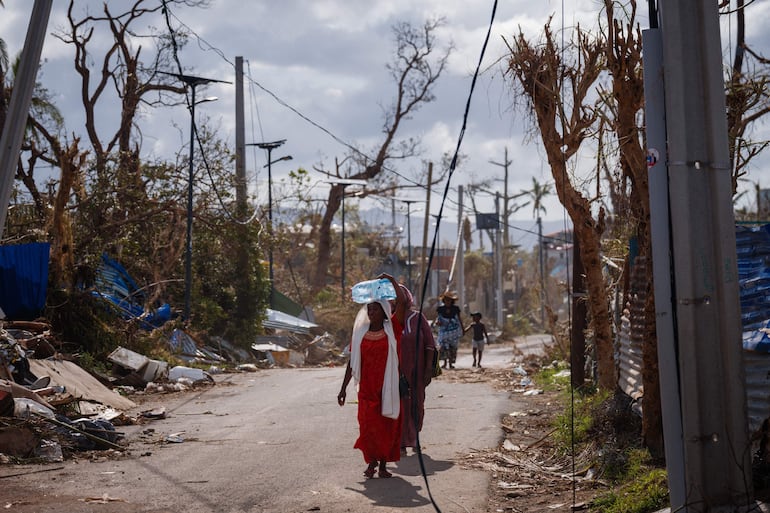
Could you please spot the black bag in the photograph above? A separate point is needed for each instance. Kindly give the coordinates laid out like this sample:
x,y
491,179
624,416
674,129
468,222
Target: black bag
x,y
436,364
403,386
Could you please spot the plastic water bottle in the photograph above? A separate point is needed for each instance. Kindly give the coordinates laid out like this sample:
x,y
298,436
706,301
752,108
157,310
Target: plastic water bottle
x,y
373,290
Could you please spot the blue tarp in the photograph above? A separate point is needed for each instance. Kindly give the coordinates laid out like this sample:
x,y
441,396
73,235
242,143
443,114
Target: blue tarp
x,y
752,246
114,284
24,280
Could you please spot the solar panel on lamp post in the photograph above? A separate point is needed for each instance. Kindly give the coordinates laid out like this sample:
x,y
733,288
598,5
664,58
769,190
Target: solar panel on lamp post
x,y
344,182
192,82
270,146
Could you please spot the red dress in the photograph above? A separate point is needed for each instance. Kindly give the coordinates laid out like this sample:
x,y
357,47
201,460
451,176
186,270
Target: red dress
x,y
379,437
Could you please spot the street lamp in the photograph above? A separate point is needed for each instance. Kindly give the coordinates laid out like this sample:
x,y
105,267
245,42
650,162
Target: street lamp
x,y
192,82
270,146
408,238
344,182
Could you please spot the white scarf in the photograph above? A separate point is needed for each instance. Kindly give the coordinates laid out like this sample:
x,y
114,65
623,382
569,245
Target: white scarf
x,y
391,401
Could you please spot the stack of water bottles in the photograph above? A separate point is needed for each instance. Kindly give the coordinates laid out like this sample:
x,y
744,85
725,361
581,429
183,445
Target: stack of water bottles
x,y
373,290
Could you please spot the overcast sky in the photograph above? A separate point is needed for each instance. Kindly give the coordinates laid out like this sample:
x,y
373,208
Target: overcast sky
x,y
326,58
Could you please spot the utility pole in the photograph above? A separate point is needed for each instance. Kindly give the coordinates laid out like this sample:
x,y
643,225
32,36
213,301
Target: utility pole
x,y
506,198
240,142
18,109
660,236
461,250
242,288
498,266
706,304
541,255
426,226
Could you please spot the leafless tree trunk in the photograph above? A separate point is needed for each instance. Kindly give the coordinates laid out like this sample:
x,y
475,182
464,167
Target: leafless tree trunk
x,y
545,78
623,42
415,70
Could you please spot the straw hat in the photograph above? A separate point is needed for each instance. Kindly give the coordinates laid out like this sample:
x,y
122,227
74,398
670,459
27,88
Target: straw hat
x,y
449,294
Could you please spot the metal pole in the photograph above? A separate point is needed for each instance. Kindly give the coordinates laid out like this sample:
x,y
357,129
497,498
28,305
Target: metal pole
x,y
655,116
188,247
461,250
240,142
706,302
541,255
192,82
270,223
18,109
342,249
270,146
409,244
498,266
426,225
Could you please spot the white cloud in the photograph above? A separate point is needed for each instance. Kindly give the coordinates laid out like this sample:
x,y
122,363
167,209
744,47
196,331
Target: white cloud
x,y
326,58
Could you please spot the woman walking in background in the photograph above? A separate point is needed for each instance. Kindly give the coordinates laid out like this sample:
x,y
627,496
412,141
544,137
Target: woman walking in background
x,y
450,328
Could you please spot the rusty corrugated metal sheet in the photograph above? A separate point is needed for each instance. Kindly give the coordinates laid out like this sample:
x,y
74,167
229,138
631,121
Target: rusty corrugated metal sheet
x,y
629,360
757,371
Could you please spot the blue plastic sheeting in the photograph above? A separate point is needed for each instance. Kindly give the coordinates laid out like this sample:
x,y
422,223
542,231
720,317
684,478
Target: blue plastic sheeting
x,y
114,284
757,340
24,280
752,246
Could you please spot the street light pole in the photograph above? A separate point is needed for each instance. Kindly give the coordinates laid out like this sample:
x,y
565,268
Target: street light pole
x,y
344,183
408,237
270,146
192,82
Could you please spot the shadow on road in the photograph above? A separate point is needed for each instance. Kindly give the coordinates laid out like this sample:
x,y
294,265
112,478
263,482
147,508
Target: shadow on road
x,y
410,465
397,492
394,492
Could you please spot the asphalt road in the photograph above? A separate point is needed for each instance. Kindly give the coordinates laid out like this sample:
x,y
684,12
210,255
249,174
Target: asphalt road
x,y
274,441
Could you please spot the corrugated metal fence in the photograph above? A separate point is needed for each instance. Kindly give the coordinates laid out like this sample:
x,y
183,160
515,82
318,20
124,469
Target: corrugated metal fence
x,y
753,260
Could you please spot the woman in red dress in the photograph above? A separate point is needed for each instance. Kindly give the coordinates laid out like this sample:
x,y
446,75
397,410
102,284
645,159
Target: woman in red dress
x,y
374,364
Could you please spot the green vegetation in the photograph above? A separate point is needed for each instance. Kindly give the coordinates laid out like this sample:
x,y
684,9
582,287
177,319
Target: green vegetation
x,y
602,428
643,493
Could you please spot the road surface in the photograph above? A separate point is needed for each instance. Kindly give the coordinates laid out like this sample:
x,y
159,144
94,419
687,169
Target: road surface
x,y
275,441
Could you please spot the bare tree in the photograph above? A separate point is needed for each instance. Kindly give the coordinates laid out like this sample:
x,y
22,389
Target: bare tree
x,y
558,96
623,105
747,97
415,70
116,202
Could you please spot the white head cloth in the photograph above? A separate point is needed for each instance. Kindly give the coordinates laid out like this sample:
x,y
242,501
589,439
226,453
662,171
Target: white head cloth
x,y
391,401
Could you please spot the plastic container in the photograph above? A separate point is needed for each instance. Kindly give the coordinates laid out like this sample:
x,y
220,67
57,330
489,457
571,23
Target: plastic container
x,y
373,290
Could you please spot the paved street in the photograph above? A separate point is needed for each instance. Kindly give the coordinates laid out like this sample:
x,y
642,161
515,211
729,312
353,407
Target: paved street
x,y
275,441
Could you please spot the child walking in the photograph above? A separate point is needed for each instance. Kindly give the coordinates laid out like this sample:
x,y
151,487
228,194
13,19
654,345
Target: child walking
x,y
479,334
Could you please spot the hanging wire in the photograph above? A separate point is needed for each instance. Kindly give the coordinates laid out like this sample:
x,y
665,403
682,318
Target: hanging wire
x,y
570,292
204,44
167,12
444,198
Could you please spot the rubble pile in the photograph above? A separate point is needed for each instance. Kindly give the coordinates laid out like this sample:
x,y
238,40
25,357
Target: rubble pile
x,y
52,409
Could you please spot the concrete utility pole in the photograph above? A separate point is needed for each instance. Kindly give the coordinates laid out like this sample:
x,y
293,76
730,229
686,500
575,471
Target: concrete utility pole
x,y
18,109
426,227
241,207
240,142
714,436
460,250
498,267
660,235
506,198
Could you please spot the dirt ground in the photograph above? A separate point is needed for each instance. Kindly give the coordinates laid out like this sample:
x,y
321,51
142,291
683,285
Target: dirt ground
x,y
527,472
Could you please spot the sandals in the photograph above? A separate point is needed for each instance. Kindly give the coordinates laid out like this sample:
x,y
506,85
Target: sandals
x,y
372,468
